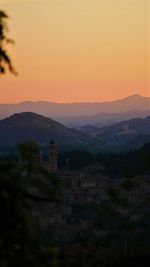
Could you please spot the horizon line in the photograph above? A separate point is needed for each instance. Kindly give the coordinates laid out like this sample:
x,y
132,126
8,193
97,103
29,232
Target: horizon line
x,y
64,103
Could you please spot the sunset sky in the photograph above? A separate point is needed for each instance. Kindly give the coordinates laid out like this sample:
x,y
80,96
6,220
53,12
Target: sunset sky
x,y
77,50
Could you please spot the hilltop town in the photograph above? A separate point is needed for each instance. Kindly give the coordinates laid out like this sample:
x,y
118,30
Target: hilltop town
x,y
91,206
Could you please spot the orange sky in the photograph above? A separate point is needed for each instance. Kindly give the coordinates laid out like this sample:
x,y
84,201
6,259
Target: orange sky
x,y
77,50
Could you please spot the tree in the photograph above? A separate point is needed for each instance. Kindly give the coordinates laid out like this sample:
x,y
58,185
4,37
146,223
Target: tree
x,y
24,185
5,61
38,183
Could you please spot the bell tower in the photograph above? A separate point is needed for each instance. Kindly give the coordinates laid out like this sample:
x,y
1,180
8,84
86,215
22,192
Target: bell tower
x,y
52,157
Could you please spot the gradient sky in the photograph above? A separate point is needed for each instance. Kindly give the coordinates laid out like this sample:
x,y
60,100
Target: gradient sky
x,y
77,50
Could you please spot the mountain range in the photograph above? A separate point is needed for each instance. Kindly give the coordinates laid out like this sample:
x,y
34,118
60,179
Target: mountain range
x,y
128,134
77,113
102,119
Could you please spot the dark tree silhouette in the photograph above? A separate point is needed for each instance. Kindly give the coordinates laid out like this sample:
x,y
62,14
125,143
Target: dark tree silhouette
x,y
5,61
24,185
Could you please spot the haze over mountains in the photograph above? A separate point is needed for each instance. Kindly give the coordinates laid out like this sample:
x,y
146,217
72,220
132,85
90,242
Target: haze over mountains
x,y
77,114
122,136
110,126
102,119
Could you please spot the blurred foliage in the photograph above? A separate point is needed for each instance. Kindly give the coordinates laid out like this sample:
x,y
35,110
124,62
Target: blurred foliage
x,y
21,241
5,61
136,162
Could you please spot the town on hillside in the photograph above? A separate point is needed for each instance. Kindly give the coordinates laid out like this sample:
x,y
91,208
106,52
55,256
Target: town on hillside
x,y
92,206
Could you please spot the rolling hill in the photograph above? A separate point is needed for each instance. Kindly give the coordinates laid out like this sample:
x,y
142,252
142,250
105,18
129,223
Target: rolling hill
x,y
128,134
31,126
121,136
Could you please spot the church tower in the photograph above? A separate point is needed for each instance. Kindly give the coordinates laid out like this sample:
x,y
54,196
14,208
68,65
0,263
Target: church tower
x,y
52,157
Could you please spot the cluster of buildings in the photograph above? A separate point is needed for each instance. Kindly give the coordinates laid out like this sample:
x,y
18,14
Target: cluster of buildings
x,y
82,197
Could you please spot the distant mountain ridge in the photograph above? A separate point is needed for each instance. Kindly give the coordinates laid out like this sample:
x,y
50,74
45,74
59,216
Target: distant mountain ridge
x,y
102,119
55,110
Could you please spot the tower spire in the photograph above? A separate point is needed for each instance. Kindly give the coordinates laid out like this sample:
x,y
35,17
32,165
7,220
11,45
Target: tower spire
x,y
52,156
